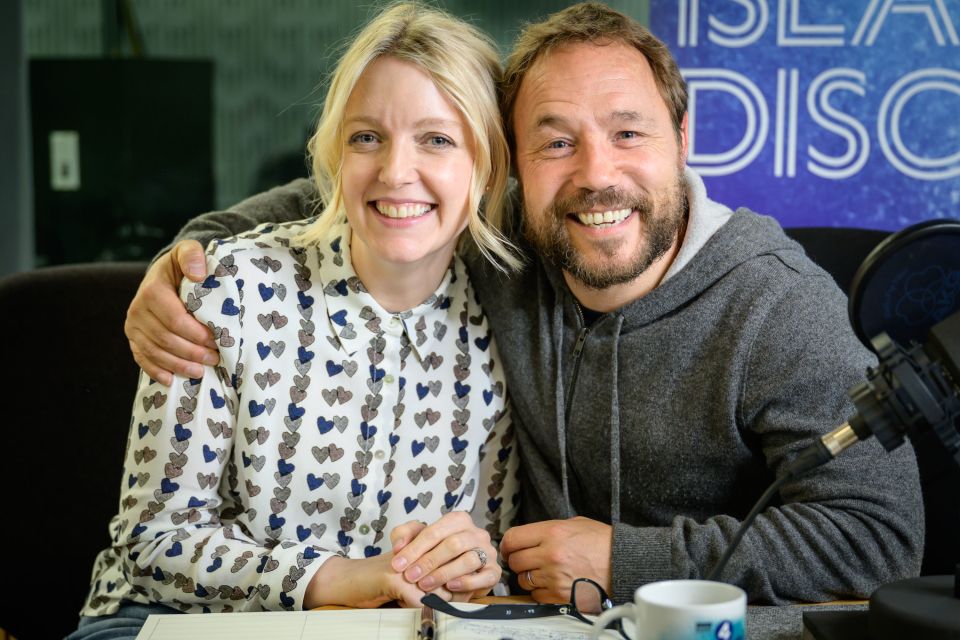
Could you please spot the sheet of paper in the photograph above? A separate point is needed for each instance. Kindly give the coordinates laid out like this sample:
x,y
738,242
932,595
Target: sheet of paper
x,y
375,624
552,628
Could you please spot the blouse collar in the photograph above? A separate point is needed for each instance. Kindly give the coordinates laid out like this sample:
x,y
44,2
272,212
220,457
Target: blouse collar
x,y
353,313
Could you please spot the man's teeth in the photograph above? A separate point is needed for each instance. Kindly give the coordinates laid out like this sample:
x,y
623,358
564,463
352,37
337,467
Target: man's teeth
x,y
403,210
604,217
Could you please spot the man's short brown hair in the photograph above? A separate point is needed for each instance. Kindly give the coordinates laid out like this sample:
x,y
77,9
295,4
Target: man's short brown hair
x,y
592,22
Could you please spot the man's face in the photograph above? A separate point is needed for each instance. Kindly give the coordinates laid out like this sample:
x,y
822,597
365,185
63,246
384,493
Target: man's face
x,y
599,162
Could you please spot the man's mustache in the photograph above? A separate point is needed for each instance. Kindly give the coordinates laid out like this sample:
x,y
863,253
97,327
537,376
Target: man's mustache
x,y
606,200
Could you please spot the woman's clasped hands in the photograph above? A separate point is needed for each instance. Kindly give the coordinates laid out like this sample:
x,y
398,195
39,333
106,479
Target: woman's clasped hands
x,y
451,557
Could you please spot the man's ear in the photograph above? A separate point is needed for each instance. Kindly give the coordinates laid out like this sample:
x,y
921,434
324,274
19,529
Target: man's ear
x,y
683,139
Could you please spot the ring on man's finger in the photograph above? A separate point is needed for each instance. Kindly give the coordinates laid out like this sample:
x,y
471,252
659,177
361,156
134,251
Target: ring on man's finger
x,y
482,555
529,580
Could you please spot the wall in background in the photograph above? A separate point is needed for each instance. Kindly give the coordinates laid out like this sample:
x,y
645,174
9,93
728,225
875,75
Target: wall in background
x,y
269,59
16,239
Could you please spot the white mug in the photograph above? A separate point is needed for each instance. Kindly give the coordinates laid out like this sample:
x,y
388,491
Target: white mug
x,y
683,610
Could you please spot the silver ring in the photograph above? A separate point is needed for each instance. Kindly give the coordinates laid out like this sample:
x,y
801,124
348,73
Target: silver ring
x,y
529,579
482,555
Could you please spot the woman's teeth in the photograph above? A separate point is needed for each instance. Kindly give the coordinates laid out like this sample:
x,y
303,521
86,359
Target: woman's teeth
x,y
598,218
403,210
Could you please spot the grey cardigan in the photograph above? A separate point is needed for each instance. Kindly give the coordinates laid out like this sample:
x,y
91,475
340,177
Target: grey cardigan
x,y
670,416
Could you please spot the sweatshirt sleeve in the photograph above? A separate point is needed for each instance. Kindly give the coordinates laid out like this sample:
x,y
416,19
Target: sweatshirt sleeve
x,y
295,200
839,531
180,496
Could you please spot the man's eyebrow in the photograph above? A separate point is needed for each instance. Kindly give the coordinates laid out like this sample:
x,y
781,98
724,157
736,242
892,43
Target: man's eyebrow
x,y
630,116
550,120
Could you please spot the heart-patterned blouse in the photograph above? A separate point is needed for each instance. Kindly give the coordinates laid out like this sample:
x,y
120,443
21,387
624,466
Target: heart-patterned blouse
x,y
328,422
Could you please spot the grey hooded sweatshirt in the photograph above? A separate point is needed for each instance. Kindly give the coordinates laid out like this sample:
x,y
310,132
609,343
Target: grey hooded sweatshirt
x,y
669,417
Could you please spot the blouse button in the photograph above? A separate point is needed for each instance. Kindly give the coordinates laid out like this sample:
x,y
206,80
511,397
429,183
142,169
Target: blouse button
x,y
379,455
388,379
364,529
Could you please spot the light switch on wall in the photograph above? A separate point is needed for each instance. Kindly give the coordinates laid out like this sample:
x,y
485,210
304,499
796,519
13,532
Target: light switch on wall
x,y
64,160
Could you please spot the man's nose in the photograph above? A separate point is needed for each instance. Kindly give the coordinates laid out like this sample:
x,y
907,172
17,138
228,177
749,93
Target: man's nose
x,y
596,168
398,165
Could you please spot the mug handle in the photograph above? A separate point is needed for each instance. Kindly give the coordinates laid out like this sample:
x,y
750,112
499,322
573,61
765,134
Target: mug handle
x,y
609,616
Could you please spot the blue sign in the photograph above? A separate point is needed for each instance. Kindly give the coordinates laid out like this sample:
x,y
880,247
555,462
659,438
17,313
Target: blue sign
x,y
820,112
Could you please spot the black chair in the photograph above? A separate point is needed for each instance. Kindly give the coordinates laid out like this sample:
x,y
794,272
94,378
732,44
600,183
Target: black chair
x,y
69,383
840,251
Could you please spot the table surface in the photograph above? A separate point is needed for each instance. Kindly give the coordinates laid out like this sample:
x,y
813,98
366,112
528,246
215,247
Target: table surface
x,y
763,622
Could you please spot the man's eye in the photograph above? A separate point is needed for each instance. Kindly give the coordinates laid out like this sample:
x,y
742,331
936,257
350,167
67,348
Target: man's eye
x,y
627,135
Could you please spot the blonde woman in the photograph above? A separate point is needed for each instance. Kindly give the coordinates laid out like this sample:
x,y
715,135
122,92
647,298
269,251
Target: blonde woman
x,y
354,445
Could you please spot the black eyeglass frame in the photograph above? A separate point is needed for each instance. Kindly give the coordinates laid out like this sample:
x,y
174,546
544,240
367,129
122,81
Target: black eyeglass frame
x,y
525,611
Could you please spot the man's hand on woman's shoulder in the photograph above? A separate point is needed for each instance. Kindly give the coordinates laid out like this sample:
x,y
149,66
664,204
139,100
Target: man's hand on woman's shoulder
x,y
164,338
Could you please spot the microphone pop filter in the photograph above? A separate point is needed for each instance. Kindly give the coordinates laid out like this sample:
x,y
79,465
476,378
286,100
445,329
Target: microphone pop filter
x,y
908,283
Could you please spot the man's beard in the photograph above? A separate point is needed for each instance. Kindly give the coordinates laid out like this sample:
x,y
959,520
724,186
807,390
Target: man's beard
x,y
660,220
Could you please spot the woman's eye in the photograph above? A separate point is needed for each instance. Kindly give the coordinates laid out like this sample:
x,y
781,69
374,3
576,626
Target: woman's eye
x,y
363,138
440,141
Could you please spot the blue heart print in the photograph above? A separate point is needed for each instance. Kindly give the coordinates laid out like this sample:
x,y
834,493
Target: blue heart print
x,y
294,411
357,487
229,308
458,444
305,301
256,409
215,400
324,425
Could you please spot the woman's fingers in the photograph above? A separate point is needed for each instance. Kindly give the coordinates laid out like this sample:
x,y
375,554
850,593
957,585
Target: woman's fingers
x,y
408,560
462,567
401,535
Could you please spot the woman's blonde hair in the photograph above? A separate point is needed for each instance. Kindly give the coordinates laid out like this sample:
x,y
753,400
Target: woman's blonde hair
x,y
464,65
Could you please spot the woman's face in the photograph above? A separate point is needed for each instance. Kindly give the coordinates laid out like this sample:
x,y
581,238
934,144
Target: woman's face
x,y
407,165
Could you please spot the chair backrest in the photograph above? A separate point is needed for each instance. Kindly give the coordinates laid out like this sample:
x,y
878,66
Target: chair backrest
x,y
840,251
69,382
